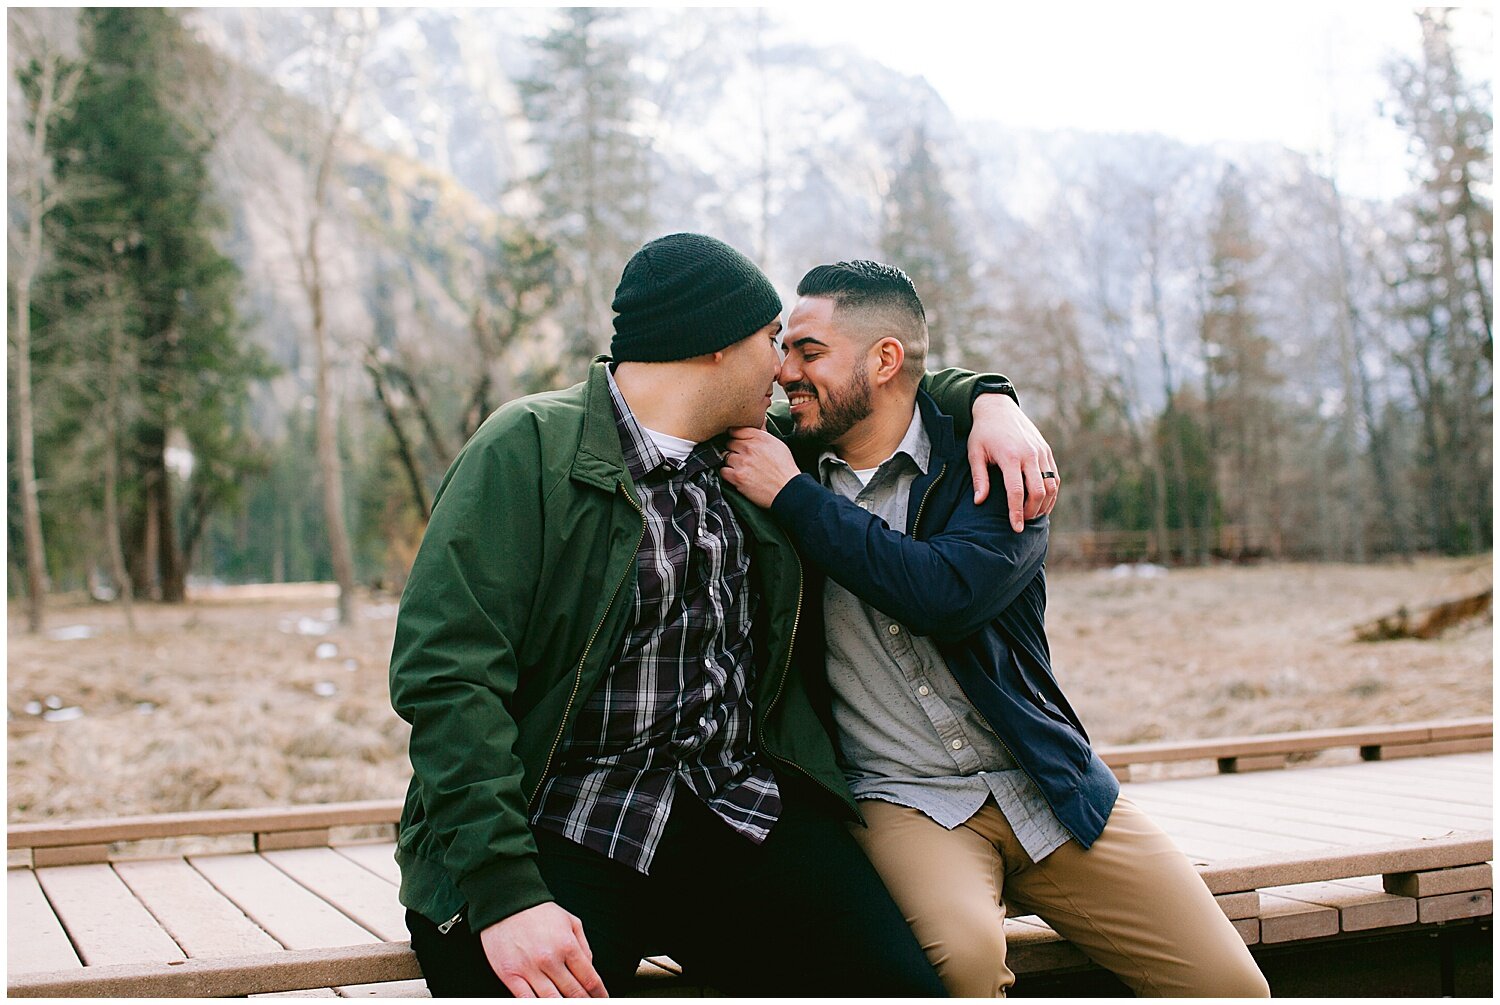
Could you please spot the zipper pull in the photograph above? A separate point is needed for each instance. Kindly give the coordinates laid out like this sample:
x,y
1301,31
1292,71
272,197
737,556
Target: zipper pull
x,y
447,926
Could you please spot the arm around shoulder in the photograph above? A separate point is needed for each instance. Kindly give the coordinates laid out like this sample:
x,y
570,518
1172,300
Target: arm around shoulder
x,y
946,586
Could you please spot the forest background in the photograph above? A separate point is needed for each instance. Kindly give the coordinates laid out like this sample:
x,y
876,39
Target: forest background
x,y
270,268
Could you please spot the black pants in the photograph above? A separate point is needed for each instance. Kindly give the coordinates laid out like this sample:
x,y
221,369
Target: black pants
x,y
802,914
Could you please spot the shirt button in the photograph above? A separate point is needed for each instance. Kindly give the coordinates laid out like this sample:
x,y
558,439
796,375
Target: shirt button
x,y
923,690
1041,698
894,629
958,744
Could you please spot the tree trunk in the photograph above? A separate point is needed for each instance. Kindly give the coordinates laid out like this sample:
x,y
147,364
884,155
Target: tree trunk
x,y
31,511
112,470
329,464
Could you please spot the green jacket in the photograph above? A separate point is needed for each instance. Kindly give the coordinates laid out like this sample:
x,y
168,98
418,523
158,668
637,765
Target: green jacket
x,y
517,600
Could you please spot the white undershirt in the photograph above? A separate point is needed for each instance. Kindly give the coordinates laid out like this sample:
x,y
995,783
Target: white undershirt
x,y
671,446
864,474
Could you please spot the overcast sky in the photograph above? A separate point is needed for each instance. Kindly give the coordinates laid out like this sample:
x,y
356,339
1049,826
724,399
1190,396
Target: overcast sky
x,y
1296,74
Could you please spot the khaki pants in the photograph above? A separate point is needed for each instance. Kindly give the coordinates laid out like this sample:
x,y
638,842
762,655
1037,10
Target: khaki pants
x,y
1132,902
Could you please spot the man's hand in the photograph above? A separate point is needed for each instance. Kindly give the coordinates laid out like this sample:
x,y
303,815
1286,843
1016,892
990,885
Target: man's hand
x,y
758,464
541,953
1005,437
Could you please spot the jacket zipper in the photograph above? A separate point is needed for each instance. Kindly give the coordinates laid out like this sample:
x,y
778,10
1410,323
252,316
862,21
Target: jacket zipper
x,y
923,504
578,674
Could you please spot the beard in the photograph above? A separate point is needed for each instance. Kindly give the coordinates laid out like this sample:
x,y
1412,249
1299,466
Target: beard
x,y
838,411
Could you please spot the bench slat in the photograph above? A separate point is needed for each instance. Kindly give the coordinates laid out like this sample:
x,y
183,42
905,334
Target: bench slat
x,y
1242,810
103,919
202,921
295,917
1334,799
1440,881
34,938
394,989
1359,909
354,890
1187,816
378,858
1284,920
293,818
1339,863
228,976
1453,906
1284,743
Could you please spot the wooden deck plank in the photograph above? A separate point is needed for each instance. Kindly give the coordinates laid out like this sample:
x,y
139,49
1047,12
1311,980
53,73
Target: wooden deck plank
x,y
1305,740
378,858
1453,906
1337,863
1206,843
1394,777
104,921
1333,799
228,976
1245,810
1360,910
294,916
394,989
201,920
307,993
1245,831
353,889
1363,788
1284,920
1440,881
34,938
251,821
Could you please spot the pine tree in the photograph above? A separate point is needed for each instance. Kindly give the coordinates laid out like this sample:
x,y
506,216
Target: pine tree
x,y
1443,285
1240,374
922,236
580,99
142,217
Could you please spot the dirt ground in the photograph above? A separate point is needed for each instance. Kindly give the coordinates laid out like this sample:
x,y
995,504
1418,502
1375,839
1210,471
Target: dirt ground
x,y
252,697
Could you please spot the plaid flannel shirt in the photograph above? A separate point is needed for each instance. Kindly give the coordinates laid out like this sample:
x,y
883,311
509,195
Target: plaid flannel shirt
x,y
673,710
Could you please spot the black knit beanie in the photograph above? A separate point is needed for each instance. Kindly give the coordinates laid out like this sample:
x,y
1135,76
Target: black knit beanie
x,y
688,295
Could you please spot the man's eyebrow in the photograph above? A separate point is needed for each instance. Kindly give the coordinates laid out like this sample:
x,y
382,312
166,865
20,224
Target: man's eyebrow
x,y
808,340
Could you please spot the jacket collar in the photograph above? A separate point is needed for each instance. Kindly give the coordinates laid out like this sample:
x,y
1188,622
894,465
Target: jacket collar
x,y
939,426
600,460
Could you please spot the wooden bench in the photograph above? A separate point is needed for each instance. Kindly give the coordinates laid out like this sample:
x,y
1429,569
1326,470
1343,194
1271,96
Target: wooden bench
x,y
264,901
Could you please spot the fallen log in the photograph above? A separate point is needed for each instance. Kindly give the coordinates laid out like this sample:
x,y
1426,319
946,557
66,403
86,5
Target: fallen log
x,y
1425,622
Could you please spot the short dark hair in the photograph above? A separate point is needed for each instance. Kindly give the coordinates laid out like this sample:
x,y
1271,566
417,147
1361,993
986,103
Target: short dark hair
x,y
884,295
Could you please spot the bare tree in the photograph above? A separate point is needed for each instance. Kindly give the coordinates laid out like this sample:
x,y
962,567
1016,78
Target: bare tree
x,y
337,58
48,81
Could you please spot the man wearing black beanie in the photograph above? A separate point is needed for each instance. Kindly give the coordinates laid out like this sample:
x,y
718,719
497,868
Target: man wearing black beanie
x,y
600,652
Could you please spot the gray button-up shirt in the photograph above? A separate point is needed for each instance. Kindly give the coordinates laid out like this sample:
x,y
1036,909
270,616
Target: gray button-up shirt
x,y
907,733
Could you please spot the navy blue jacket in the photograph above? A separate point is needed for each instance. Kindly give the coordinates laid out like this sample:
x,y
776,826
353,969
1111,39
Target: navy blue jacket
x,y
962,576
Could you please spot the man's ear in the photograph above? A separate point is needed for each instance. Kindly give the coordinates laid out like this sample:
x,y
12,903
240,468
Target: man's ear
x,y
889,357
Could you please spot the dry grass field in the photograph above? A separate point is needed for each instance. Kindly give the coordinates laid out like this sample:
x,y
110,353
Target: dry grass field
x,y
251,697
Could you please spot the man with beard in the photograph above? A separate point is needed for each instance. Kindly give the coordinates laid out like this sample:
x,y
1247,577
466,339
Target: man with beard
x,y
973,772
600,651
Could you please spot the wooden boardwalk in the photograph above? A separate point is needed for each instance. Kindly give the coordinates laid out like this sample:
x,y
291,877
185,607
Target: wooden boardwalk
x,y
1299,854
